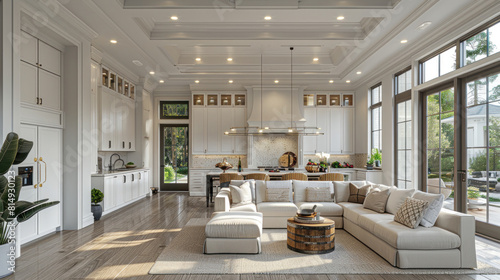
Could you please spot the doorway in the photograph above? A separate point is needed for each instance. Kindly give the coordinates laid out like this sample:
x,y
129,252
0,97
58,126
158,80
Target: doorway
x,y
174,157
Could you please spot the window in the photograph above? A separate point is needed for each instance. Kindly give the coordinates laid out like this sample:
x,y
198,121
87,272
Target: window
x,y
438,65
481,45
174,109
376,117
403,120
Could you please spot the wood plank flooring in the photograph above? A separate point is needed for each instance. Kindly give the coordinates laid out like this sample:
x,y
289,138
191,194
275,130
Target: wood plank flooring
x,y
125,244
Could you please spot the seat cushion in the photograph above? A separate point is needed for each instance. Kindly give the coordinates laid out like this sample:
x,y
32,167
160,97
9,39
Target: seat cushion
x,y
352,211
326,209
368,221
234,225
299,189
244,207
277,209
421,238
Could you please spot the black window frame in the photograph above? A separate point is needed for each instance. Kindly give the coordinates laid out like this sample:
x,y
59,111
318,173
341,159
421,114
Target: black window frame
x,y
162,117
371,108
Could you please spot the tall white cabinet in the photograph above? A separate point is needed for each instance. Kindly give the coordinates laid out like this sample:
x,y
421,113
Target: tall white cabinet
x,y
46,159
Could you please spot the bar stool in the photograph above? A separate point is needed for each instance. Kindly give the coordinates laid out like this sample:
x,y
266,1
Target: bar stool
x,y
294,176
331,177
258,176
225,178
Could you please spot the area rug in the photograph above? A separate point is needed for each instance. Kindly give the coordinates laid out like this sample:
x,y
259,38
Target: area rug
x,y
184,255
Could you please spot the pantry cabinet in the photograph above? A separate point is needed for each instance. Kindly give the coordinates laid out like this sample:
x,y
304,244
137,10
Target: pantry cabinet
x,y
210,122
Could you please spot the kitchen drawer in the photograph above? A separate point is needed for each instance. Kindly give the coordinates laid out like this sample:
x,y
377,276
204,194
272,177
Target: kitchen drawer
x,y
361,176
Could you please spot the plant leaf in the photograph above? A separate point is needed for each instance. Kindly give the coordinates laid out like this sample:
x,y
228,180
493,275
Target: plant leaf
x,y
17,191
8,152
31,212
23,150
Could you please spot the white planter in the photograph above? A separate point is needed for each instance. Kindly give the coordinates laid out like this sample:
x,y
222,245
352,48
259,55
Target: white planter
x,y
7,259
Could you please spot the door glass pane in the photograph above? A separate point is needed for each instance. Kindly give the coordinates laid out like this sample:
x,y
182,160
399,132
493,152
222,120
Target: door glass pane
x,y
432,104
447,100
476,92
494,88
476,182
175,156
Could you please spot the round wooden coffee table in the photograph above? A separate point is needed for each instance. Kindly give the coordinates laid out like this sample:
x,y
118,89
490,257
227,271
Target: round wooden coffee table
x,y
311,238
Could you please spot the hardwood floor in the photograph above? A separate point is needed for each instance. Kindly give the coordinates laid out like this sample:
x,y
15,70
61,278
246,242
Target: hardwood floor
x,y
125,244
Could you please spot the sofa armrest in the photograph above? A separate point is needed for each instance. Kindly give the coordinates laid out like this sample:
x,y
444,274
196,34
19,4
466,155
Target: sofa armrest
x,y
463,225
222,201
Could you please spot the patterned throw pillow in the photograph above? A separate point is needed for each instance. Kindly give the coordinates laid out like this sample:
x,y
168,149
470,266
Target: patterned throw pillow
x,y
277,195
411,212
318,194
358,195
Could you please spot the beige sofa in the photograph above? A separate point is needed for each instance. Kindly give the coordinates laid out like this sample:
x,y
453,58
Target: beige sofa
x,y
450,243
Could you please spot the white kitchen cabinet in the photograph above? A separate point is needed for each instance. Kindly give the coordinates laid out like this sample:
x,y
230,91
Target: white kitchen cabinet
x,y
109,190
118,191
226,120
40,73
45,158
240,120
309,142
373,176
213,130
108,122
198,128
197,181
323,121
348,143
336,130
128,125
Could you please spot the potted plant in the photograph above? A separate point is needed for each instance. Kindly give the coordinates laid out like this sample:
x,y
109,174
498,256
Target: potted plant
x,y
12,210
96,208
473,193
377,157
369,164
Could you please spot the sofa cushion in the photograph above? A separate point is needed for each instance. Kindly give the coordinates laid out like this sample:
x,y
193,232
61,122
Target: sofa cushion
x,y
277,195
341,189
240,182
421,238
234,225
358,194
241,193
396,199
352,211
318,194
261,186
277,209
244,207
368,221
299,189
431,212
376,200
326,209
411,212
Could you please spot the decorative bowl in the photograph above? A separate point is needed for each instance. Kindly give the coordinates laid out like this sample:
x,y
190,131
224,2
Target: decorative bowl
x,y
224,165
312,168
130,166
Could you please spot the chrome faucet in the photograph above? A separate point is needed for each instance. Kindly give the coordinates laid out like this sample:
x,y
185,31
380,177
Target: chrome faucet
x,y
123,162
111,165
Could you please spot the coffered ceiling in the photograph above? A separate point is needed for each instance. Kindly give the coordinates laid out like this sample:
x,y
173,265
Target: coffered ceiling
x,y
335,40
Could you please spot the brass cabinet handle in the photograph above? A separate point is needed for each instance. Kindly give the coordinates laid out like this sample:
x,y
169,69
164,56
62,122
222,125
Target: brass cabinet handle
x,y
38,172
45,178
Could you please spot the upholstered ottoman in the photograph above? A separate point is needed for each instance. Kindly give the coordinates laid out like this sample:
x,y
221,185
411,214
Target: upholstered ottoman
x,y
233,233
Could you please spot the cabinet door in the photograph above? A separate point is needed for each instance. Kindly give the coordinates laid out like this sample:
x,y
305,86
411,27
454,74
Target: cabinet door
x,y
29,83
108,123
135,185
109,201
336,130
49,58
213,131
198,130
226,120
240,142
127,187
49,90
130,127
121,113
50,157
348,145
322,121
145,182
309,142
28,48
118,189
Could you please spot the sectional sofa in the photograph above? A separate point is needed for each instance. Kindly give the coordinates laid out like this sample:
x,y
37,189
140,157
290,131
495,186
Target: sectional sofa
x,y
450,243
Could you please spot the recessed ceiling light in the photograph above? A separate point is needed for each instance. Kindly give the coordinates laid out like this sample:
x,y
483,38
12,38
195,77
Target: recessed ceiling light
x,y
424,25
113,41
267,17
230,81
137,62
331,81
340,18
197,81
162,81
276,81
198,59
359,72
229,59
404,41
348,81
152,72
174,18
315,59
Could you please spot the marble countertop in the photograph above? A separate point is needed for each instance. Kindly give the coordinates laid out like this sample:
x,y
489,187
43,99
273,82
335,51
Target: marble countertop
x,y
118,172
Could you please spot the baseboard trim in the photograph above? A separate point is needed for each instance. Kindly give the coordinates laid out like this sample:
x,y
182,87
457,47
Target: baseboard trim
x,y
87,221
197,194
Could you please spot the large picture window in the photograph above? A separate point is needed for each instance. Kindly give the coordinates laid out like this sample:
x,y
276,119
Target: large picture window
x,y
403,121
376,117
481,45
174,109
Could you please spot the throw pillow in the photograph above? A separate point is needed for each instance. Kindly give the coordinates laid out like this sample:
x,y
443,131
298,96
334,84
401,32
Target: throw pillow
x,y
341,189
396,199
241,193
239,182
282,185
318,194
411,212
277,195
376,200
432,211
299,189
358,194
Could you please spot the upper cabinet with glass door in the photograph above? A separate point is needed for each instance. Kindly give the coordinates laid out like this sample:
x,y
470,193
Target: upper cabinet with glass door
x,y
328,100
117,83
219,100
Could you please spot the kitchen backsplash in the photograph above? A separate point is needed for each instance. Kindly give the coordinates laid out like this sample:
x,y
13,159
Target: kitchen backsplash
x,y
209,161
268,149
123,155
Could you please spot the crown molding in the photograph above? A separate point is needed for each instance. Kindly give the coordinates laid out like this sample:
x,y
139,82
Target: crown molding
x,y
119,68
95,54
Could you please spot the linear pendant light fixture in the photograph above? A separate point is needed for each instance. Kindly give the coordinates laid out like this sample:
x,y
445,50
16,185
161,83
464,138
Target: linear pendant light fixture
x,y
265,130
